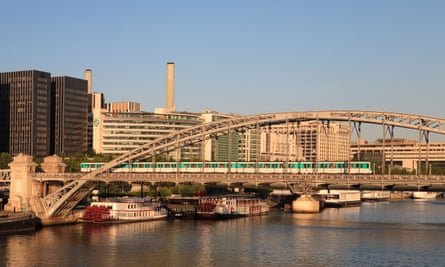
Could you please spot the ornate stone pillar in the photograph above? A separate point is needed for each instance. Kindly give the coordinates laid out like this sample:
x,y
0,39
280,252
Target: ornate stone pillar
x,y
53,165
23,170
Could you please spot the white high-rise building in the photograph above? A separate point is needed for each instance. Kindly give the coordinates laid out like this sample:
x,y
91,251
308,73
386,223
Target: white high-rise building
x,y
307,141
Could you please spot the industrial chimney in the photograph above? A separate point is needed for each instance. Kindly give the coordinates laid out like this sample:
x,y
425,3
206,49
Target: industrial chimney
x,y
170,88
88,75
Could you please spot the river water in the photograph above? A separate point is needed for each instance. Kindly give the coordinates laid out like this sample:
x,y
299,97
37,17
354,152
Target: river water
x,y
394,233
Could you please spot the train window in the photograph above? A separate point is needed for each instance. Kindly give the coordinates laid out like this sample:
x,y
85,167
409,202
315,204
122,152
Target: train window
x,y
275,165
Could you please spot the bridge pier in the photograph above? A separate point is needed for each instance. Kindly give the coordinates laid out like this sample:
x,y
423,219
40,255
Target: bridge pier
x,y
21,189
25,192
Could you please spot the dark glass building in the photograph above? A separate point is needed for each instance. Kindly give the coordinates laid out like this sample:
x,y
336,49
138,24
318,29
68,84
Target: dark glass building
x,y
69,115
25,112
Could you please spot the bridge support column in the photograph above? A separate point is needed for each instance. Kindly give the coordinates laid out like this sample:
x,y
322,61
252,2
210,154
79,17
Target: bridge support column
x,y
51,164
21,189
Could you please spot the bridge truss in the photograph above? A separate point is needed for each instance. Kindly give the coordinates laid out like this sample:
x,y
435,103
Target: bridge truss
x,y
61,202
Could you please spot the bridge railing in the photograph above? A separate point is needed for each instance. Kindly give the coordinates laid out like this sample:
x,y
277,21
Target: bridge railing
x,y
5,175
251,178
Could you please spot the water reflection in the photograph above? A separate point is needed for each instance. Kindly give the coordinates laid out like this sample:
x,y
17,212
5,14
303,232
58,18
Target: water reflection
x,y
400,233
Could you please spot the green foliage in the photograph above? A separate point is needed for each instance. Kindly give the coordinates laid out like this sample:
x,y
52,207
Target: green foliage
x,y
73,162
5,159
187,190
163,191
100,158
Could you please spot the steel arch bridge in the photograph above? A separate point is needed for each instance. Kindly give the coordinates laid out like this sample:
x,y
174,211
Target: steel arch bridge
x,y
61,202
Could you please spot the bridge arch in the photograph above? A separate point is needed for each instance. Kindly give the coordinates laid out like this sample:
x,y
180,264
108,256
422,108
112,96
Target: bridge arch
x,y
199,133
196,134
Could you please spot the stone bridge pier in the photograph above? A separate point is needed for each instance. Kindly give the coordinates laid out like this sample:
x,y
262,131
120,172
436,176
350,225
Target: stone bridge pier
x,y
25,192
21,189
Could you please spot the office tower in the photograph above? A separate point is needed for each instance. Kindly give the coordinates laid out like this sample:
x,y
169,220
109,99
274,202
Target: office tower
x,y
69,115
25,112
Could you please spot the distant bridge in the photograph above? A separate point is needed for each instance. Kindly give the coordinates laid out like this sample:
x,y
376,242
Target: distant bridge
x,y
61,202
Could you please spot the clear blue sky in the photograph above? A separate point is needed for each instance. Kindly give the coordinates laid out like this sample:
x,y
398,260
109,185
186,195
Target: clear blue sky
x,y
245,57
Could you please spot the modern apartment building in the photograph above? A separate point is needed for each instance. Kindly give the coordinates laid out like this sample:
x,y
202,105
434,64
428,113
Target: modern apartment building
x,y
117,107
69,115
225,147
408,154
307,141
25,112
121,132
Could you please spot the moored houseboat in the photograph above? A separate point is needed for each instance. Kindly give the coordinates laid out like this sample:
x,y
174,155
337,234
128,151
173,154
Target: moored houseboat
x,y
230,207
425,195
123,210
375,195
340,198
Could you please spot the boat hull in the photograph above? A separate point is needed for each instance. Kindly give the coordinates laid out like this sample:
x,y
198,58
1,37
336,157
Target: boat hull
x,y
375,195
17,223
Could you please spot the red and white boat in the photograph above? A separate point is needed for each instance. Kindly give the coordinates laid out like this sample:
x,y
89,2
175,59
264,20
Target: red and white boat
x,y
230,207
123,210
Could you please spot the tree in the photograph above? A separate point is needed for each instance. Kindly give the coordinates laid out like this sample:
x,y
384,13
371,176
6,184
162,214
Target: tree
x,y
5,159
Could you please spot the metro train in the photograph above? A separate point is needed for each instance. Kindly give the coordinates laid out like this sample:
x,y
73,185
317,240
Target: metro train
x,y
337,167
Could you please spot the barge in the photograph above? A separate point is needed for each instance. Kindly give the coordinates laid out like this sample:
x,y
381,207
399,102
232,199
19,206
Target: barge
x,y
17,222
227,207
340,198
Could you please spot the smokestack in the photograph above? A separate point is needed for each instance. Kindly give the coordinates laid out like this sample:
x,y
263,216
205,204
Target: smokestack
x,y
170,87
88,75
